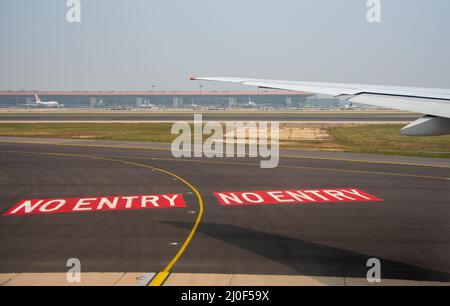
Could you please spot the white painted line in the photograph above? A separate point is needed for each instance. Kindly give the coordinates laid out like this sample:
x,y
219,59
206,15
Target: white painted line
x,y
145,279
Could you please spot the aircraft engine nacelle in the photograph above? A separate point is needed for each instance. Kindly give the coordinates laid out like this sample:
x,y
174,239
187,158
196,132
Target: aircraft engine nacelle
x,y
427,126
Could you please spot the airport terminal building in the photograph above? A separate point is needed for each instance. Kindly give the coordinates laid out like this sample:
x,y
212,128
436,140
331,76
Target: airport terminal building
x,y
166,99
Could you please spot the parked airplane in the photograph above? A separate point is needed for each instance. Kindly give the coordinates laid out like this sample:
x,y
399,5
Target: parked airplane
x,y
251,104
148,104
46,104
193,105
433,103
348,106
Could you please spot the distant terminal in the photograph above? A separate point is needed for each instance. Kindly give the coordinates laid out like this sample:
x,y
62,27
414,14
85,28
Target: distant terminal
x,y
168,99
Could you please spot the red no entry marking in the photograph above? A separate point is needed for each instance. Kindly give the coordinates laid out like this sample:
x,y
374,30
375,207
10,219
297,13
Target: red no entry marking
x,y
92,204
311,196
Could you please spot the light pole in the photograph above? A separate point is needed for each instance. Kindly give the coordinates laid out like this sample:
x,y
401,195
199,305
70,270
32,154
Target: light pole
x,y
153,94
201,91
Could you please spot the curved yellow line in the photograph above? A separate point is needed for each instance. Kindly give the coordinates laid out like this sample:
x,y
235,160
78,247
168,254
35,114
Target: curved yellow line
x,y
159,279
298,167
255,164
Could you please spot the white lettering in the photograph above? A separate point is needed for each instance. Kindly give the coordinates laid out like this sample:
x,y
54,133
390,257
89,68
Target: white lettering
x,y
84,202
44,208
130,200
279,197
227,199
74,13
356,193
338,195
150,199
27,205
247,196
105,201
171,199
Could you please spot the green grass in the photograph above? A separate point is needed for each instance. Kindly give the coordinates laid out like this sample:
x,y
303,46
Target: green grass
x,y
386,139
154,132
379,139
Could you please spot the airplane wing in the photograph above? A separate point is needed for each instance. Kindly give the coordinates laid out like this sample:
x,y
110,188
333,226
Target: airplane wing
x,y
432,102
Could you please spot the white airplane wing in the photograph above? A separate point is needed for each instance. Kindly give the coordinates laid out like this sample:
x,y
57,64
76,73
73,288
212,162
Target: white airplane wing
x,y
433,102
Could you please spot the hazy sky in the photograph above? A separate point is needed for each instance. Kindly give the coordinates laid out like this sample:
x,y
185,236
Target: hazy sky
x,y
131,44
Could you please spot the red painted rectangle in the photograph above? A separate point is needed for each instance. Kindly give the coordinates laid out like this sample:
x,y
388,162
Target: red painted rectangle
x,y
311,196
91,204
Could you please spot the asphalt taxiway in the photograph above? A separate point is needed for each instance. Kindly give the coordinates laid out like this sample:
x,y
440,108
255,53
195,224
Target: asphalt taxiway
x,y
92,116
409,232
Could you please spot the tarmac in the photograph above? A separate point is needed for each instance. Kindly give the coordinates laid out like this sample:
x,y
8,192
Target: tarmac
x,y
207,243
142,117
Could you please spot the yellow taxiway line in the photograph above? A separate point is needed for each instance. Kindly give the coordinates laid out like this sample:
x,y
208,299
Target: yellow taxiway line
x,y
286,166
252,164
159,279
282,155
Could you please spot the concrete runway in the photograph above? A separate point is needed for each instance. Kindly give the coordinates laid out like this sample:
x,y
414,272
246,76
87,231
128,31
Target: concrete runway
x,y
223,116
409,232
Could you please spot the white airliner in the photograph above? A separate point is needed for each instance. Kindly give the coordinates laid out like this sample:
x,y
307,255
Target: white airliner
x,y
432,102
148,104
193,105
251,104
46,104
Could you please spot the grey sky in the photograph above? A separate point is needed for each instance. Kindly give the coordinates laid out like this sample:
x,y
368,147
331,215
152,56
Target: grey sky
x,y
129,45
